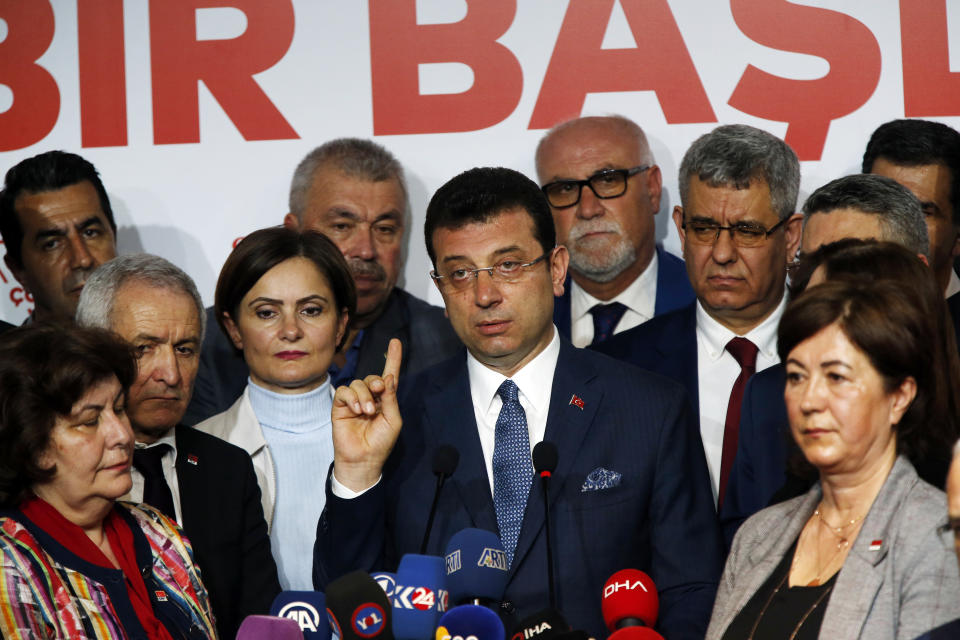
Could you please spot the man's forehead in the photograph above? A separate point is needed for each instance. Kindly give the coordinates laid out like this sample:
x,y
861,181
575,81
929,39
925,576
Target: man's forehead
x,y
72,205
160,311
501,233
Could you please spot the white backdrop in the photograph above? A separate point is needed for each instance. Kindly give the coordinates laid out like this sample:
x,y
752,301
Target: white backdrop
x,y
197,111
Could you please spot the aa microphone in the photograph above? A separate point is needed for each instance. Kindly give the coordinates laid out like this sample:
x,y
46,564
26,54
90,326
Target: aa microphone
x,y
445,460
259,627
470,621
419,596
357,608
307,609
544,625
544,463
477,568
629,600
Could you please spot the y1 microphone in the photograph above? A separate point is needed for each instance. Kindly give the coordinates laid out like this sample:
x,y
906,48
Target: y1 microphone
x,y
477,568
419,596
306,608
357,608
470,621
630,600
445,460
544,464
259,627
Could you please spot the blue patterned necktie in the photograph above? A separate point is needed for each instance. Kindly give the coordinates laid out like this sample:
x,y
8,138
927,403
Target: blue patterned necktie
x,y
512,467
605,319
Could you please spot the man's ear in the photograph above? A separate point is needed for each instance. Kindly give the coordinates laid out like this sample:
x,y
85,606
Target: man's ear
x,y
559,261
678,220
17,271
793,234
654,188
291,221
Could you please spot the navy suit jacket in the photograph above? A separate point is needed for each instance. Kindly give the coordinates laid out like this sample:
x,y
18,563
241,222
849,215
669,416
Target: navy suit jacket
x,y
659,519
222,517
673,291
423,329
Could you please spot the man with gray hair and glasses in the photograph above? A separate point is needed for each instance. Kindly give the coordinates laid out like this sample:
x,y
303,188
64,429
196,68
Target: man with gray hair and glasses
x,y
739,231
206,484
353,191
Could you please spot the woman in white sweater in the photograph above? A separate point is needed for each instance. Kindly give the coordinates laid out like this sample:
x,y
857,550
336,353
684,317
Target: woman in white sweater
x,y
284,298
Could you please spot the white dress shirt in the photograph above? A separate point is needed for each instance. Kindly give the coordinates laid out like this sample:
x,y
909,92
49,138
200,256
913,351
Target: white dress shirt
x,y
484,382
640,299
953,286
718,370
168,462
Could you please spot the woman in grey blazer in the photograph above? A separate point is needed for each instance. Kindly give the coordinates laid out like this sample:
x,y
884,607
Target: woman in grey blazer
x,y
861,554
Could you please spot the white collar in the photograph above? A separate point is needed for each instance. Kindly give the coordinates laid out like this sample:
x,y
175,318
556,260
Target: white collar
x,y
639,296
534,380
169,438
714,336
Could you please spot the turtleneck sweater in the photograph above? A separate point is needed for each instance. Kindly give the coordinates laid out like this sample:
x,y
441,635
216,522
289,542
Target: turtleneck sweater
x,y
298,433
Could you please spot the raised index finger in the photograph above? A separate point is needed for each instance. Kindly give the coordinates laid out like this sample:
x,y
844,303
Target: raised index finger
x,y
392,366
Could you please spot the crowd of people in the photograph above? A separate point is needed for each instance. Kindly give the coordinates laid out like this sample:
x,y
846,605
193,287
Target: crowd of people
x,y
765,426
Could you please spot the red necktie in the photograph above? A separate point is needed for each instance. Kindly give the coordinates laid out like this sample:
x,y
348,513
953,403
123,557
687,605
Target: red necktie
x,y
745,353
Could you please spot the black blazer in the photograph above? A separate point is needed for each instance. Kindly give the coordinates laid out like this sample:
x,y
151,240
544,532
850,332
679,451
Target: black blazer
x,y
423,329
222,516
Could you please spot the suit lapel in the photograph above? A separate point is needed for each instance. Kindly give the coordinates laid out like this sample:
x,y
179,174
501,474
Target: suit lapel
x,y
449,409
567,426
677,346
188,477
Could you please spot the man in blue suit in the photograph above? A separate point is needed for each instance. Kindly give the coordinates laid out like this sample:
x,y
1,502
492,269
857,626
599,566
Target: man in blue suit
x,y
631,487
738,230
604,188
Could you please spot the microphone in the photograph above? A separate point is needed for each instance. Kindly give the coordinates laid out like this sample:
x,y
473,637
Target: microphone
x,y
635,633
470,621
305,608
629,600
445,460
259,627
477,568
357,608
545,624
418,597
544,463
387,582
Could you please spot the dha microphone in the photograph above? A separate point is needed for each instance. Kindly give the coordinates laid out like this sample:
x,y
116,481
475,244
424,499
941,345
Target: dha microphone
x,y
544,463
445,460
419,596
544,625
477,568
630,600
259,627
357,608
307,609
470,621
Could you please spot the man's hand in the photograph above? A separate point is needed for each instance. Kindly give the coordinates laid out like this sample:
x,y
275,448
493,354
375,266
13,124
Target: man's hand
x,y
366,423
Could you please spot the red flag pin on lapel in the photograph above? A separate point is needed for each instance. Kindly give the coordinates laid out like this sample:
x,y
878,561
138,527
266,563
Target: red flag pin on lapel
x,y
875,545
161,596
576,401
192,459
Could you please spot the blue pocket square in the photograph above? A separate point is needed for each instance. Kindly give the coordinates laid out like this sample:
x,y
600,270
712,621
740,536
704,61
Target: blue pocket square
x,y
600,479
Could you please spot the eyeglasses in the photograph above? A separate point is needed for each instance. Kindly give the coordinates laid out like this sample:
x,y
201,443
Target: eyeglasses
x,y
609,183
744,234
504,271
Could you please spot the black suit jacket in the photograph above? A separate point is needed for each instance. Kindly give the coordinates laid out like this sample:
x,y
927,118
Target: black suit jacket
x,y
423,329
659,517
222,517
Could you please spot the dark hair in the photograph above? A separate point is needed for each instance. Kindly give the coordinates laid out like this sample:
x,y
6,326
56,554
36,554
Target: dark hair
x,y
898,211
900,327
44,371
482,193
48,171
263,250
911,143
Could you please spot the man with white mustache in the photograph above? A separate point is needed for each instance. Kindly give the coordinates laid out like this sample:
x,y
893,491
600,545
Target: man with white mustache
x,y
351,190
604,189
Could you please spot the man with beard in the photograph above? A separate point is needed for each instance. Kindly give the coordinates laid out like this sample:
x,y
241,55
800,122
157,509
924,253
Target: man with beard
x,y
604,189
352,191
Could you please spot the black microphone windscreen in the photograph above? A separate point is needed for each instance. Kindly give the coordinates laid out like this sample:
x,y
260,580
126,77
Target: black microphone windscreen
x,y
445,460
545,457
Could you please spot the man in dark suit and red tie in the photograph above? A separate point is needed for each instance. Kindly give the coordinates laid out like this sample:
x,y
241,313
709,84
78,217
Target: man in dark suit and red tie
x,y
739,230
631,487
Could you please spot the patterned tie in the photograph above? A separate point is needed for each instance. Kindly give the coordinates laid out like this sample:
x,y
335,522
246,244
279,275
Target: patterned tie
x,y
156,492
512,467
605,319
745,353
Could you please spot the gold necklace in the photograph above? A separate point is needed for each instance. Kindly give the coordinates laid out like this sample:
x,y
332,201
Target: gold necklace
x,y
842,540
803,618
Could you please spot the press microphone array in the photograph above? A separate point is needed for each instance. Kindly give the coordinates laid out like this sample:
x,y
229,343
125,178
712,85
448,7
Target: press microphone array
x,y
358,609
476,567
630,605
307,608
545,458
445,460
